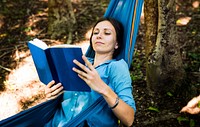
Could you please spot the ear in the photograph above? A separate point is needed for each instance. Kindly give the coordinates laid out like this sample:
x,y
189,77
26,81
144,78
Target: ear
x,y
116,45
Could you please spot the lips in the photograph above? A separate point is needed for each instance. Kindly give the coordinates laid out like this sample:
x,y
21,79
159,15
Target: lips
x,y
98,42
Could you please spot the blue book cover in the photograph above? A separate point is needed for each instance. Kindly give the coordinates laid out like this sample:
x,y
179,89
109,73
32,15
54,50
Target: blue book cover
x,y
56,63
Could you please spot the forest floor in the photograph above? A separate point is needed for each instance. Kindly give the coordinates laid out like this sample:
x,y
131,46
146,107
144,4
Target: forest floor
x,y
20,88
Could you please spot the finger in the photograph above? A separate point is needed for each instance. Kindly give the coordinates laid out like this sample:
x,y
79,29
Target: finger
x,y
191,111
57,91
184,109
53,97
48,95
82,77
87,62
48,88
83,67
79,72
52,88
196,110
50,84
85,79
55,87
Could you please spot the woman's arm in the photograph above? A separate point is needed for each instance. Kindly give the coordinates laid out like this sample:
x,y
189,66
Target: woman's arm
x,y
123,111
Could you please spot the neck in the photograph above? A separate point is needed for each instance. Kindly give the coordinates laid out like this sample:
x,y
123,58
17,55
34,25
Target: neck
x,y
99,59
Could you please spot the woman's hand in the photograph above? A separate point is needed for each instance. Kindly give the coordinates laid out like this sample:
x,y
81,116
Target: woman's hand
x,y
52,91
192,106
90,76
123,111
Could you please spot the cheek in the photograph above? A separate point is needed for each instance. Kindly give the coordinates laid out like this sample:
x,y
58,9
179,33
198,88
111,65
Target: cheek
x,y
111,46
92,39
112,42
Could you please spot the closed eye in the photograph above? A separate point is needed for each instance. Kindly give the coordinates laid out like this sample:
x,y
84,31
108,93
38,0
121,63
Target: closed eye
x,y
107,33
96,32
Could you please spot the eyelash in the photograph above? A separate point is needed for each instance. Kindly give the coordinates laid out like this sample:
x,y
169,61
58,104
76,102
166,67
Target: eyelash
x,y
95,33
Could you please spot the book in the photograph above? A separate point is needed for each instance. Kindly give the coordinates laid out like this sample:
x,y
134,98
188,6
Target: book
x,y
56,63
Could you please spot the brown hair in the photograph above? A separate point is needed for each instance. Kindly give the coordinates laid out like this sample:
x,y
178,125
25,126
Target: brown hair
x,y
119,33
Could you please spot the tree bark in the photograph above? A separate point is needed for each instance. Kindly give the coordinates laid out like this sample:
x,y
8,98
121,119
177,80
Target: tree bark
x,y
61,20
164,71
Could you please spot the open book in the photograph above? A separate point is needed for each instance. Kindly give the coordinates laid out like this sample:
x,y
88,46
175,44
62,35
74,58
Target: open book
x,y
56,63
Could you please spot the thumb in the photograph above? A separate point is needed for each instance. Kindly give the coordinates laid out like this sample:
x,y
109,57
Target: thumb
x,y
184,109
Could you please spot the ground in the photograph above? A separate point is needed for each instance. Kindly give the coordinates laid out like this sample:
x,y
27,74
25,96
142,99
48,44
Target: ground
x,y
21,21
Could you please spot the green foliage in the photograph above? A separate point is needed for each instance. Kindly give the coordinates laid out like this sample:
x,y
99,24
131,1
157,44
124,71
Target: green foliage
x,y
192,123
194,56
170,94
153,109
182,119
27,29
198,105
137,73
136,76
194,62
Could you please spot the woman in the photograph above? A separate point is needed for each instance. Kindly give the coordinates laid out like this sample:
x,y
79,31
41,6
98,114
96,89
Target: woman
x,y
106,77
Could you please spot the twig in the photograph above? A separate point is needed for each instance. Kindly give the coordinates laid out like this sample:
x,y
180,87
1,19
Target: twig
x,y
17,54
7,69
40,32
5,49
4,54
11,48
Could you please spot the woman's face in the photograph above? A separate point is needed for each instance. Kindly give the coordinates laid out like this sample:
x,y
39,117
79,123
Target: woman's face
x,y
104,38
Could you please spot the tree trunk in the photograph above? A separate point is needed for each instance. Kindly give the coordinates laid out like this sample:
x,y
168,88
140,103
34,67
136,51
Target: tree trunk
x,y
164,70
61,20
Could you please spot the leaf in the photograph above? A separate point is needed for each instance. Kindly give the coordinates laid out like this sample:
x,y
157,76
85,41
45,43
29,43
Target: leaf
x,y
194,32
169,94
192,123
180,119
198,105
153,109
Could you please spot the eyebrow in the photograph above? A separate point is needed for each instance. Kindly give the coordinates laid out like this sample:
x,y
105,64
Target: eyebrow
x,y
104,29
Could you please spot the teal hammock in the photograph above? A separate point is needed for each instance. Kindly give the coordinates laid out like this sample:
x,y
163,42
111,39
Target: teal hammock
x,y
128,12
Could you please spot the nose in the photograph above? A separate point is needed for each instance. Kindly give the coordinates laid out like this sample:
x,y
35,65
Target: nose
x,y
99,35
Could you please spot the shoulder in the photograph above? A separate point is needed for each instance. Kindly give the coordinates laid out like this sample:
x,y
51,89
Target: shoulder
x,y
119,65
118,69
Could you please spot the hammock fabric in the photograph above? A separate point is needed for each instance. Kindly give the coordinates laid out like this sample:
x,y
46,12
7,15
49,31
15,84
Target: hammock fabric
x,y
128,12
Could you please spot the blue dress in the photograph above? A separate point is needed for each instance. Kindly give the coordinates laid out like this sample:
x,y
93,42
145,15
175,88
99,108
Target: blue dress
x,y
113,73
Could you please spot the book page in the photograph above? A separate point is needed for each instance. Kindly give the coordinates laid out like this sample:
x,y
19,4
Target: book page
x,y
39,43
65,46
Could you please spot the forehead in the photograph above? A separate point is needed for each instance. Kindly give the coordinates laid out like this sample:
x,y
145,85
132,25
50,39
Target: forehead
x,y
105,25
